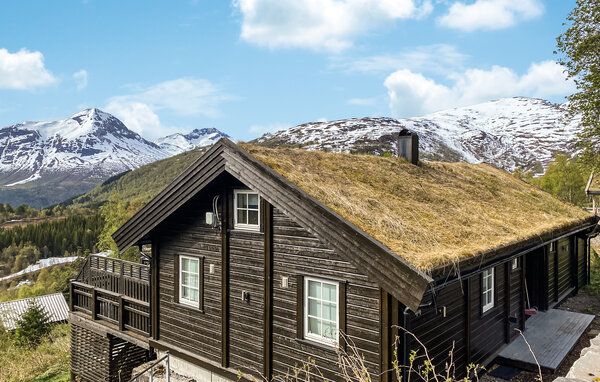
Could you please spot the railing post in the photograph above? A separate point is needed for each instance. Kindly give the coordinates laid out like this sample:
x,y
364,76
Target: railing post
x,y
71,295
94,304
151,374
168,368
121,313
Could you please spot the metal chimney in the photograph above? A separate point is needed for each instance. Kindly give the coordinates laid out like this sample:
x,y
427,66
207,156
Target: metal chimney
x,y
408,146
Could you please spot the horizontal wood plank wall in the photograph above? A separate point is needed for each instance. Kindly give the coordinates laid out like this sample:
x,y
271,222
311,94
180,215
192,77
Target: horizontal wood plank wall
x,y
516,293
296,251
439,333
487,329
564,266
246,325
186,234
581,262
551,257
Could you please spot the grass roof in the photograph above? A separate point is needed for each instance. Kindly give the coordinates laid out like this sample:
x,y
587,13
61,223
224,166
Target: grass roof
x,y
593,183
432,214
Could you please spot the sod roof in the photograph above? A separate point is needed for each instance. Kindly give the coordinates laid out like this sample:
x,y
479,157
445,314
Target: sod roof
x,y
431,214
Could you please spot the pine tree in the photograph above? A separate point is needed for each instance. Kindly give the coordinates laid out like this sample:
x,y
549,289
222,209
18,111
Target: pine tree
x,y
33,326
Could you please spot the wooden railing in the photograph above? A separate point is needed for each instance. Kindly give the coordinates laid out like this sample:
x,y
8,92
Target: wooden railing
x,y
114,291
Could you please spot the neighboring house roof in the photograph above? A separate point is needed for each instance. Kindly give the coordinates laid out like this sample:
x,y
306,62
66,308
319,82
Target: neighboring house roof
x,y
593,185
391,219
54,304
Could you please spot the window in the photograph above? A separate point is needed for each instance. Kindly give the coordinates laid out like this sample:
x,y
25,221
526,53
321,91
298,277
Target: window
x,y
247,210
514,264
190,280
321,310
487,290
552,247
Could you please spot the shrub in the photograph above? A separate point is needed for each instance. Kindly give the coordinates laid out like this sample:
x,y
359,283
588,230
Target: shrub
x,y
33,326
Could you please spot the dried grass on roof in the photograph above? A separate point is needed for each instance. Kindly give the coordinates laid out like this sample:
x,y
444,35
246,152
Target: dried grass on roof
x,y
594,183
431,214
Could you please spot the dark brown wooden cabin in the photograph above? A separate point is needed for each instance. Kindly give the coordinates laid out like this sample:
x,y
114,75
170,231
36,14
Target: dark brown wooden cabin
x,y
250,273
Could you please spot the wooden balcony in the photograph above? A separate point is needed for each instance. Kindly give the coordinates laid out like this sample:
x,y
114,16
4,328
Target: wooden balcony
x,y
114,293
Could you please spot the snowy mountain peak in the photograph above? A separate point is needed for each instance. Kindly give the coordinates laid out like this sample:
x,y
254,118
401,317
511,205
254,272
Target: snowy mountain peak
x,y
178,143
507,132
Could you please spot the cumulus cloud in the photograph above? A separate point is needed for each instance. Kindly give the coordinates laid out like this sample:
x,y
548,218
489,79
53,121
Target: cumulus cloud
x,y
330,25
437,58
81,78
412,94
184,96
23,70
490,14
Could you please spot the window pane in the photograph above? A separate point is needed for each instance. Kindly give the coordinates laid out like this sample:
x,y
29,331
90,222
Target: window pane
x,y
329,311
314,289
185,264
314,326
253,201
329,292
329,330
242,216
194,266
242,201
194,295
314,307
253,217
185,293
191,280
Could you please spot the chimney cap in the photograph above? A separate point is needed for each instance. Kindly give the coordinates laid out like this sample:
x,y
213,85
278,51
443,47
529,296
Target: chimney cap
x,y
406,132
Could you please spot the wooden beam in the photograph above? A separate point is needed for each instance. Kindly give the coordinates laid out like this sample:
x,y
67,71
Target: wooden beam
x,y
384,333
267,210
507,279
522,299
154,290
468,321
225,216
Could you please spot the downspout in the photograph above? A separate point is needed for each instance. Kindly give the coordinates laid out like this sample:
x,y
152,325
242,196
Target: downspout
x,y
405,347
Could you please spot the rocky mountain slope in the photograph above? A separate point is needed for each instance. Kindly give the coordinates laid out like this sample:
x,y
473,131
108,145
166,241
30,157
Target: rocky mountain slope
x,y
508,133
43,163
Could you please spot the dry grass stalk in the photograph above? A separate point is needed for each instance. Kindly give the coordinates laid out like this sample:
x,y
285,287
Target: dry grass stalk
x,y
432,214
539,376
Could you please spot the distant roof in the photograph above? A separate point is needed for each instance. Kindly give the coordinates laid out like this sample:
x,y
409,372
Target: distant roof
x,y
431,214
593,185
54,304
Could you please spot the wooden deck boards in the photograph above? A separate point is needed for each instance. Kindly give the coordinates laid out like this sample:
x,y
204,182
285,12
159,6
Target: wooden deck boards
x,y
551,334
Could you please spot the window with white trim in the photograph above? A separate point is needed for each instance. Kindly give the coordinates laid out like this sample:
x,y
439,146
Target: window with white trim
x,y
515,264
321,310
552,247
487,290
247,210
189,280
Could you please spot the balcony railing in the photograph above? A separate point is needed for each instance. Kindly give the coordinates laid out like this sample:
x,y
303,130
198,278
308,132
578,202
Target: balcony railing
x,y
113,291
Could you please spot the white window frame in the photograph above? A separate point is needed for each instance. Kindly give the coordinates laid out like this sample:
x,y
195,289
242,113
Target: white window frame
x,y
183,300
313,336
487,305
552,247
514,264
245,226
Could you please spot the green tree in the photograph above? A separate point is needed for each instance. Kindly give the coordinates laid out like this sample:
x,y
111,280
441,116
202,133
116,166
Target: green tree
x,y
115,212
33,326
564,178
580,45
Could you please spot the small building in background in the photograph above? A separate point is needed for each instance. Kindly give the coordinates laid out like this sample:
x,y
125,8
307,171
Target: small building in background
x,y
54,304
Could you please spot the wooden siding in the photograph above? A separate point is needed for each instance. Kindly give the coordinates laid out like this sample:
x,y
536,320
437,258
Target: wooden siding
x,y
296,251
581,262
551,277
564,270
185,327
517,305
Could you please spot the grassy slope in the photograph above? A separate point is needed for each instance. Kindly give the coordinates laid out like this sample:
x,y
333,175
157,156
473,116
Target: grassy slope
x,y
143,183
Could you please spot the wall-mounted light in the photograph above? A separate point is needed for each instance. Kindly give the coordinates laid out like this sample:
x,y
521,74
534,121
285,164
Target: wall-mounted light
x,y
209,218
284,281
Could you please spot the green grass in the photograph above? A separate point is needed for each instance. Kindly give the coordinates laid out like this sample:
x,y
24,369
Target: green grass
x,y
594,287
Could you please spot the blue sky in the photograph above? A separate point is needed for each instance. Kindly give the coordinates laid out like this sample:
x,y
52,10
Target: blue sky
x,y
251,66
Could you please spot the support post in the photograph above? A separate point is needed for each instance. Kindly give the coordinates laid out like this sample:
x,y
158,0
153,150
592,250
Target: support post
x,y
121,313
71,295
94,304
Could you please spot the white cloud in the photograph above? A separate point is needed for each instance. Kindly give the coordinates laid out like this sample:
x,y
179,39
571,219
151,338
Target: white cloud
x,y
330,25
437,58
270,128
490,14
23,70
81,77
183,96
412,94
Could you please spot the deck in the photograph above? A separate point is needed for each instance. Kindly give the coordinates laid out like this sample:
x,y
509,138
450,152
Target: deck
x,y
551,334
113,295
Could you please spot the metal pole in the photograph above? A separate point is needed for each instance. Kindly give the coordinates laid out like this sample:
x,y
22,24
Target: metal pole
x,y
151,374
168,368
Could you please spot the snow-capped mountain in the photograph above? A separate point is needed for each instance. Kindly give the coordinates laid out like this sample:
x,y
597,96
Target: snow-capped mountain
x,y
178,143
508,133
42,163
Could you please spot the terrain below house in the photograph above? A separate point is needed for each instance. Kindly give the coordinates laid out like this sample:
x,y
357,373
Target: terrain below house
x,y
507,133
44,163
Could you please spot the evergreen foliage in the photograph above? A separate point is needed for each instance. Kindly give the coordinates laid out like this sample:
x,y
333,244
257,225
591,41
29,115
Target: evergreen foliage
x,y
580,44
33,326
114,213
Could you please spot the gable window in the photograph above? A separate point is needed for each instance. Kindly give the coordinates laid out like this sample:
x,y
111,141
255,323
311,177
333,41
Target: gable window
x,y
190,280
321,310
487,290
247,210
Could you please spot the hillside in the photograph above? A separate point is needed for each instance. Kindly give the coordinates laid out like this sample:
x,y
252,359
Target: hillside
x,y
142,183
508,133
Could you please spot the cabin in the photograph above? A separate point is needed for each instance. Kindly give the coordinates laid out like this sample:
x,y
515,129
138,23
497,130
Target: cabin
x,y
54,305
263,259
